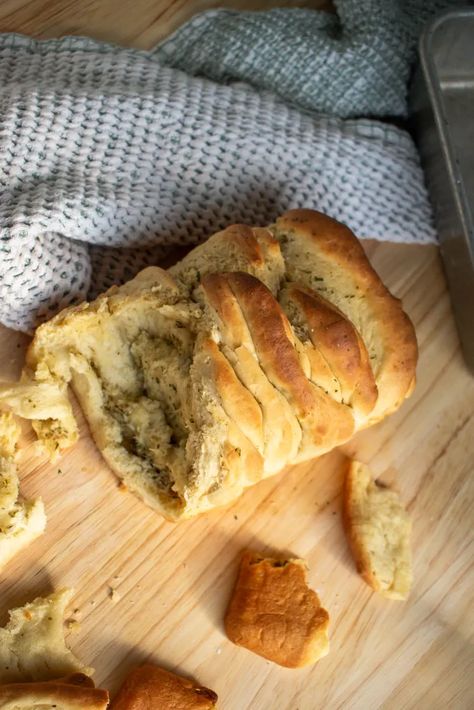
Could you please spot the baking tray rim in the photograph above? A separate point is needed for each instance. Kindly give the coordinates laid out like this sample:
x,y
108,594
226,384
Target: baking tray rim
x,y
434,91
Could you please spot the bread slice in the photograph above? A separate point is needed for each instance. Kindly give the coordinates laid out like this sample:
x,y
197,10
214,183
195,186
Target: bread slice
x,y
74,692
273,613
254,352
267,418
21,521
32,645
252,250
150,687
342,367
378,529
324,255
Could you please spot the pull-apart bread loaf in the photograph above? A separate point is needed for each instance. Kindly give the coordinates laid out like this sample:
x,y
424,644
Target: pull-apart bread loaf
x,y
261,348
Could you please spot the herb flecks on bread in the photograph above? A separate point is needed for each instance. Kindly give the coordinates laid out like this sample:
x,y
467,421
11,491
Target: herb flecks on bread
x,y
378,529
273,612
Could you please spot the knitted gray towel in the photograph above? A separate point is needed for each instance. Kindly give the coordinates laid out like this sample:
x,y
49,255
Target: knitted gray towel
x,y
355,63
107,155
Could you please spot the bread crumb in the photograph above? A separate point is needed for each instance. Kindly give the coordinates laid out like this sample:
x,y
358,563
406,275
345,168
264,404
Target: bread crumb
x,y
114,596
73,625
122,487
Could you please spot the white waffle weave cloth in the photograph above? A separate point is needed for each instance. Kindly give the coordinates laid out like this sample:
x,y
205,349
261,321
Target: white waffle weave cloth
x,y
107,156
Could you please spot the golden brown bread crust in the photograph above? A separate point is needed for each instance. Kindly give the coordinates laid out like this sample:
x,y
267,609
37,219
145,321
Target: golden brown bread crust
x,y
236,248
323,421
273,613
237,401
343,274
273,340
340,345
278,416
80,679
74,692
378,530
152,688
242,457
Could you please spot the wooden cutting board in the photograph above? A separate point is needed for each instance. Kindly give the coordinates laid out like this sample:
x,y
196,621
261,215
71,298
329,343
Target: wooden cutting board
x,y
172,582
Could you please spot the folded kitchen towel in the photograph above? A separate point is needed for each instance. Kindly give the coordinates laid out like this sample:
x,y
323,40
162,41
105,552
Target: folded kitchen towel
x,y
108,155
353,63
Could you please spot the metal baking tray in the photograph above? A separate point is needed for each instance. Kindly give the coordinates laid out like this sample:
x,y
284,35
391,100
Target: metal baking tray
x,y
442,105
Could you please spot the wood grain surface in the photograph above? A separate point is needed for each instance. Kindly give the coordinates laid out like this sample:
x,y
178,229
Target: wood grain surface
x,y
173,582
135,23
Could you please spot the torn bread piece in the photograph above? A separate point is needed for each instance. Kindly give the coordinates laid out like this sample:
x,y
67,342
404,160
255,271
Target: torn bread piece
x,y
74,692
21,521
150,687
273,613
32,645
324,255
48,406
378,529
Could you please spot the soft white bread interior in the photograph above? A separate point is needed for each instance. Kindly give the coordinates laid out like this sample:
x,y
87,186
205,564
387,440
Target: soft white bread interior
x,y
259,349
32,645
21,521
378,529
37,670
